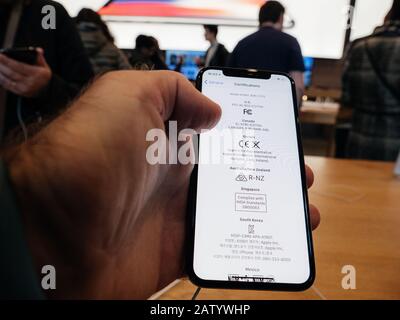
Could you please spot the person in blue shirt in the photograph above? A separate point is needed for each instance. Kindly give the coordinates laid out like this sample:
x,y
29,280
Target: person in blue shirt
x,y
270,48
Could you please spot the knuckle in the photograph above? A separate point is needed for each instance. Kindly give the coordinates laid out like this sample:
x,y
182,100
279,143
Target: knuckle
x,y
111,76
176,75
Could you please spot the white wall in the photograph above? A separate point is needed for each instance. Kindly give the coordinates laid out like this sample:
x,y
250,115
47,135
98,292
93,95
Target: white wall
x,y
368,15
175,36
320,26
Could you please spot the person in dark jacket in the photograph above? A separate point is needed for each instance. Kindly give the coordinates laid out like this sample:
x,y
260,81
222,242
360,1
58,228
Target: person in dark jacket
x,y
371,88
99,43
61,71
216,55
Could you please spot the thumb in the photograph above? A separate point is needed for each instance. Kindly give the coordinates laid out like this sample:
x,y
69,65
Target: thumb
x,y
41,60
186,105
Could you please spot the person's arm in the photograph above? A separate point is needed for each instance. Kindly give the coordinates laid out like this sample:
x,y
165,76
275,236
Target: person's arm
x,y
298,78
112,224
18,278
296,69
224,56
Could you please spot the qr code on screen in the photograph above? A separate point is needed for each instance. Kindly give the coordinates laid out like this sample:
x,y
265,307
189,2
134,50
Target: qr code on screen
x,y
251,229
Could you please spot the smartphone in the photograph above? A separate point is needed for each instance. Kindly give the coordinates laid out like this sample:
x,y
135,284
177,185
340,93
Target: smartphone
x,y
26,55
248,203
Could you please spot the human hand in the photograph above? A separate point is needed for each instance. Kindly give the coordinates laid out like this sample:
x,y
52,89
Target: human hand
x,y
23,79
112,224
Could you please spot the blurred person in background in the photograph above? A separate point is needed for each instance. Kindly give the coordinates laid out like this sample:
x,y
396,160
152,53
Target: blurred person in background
x,y
371,88
140,56
62,69
147,54
270,48
157,58
99,43
216,55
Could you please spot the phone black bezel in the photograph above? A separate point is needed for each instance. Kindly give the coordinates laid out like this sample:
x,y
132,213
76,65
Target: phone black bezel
x,y
192,197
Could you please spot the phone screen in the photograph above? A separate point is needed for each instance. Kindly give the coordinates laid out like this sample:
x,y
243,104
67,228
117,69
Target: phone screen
x,y
251,216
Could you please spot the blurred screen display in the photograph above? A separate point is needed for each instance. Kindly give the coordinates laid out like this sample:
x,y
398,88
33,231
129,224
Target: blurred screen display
x,y
319,25
189,60
239,10
309,64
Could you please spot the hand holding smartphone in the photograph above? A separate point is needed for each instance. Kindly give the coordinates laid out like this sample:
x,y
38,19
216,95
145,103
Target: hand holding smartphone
x,y
27,72
249,215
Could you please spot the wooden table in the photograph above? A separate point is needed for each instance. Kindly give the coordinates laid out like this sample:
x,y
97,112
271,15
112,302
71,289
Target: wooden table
x,y
360,208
